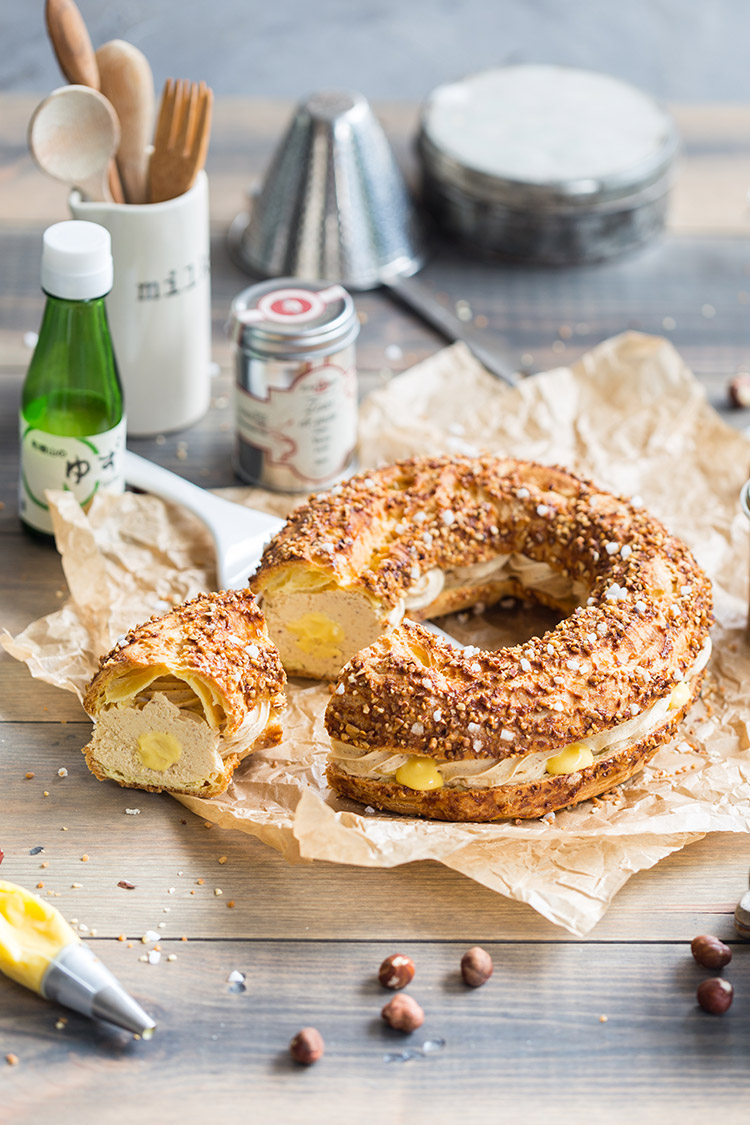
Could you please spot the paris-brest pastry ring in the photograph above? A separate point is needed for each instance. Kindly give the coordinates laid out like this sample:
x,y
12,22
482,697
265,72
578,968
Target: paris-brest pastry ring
x,y
185,697
420,727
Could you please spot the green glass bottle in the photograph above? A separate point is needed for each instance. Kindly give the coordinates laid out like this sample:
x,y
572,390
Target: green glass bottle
x,y
72,425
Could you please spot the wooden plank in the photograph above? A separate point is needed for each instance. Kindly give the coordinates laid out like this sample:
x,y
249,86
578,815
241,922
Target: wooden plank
x,y
692,892
531,1041
709,191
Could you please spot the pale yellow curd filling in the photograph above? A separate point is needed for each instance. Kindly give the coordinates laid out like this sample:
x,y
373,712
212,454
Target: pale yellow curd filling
x,y
32,933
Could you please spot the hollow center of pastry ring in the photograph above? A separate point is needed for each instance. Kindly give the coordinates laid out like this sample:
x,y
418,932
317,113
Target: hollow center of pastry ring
x,y
187,691
318,626
164,744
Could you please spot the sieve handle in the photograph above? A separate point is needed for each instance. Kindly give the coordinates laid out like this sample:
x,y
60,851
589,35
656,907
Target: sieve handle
x,y
419,299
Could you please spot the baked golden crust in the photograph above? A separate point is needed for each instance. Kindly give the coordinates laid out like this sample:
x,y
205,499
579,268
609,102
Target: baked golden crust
x,y
523,801
202,685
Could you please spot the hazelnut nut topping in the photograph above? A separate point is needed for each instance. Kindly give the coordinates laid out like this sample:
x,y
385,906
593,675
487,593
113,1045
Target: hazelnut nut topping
x,y
715,995
710,952
307,1046
396,971
739,390
403,1013
476,967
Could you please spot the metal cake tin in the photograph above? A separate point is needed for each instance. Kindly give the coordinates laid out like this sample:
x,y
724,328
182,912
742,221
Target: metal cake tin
x,y
546,164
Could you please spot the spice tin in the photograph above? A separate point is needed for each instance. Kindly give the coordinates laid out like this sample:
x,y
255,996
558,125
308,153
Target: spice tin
x,y
296,384
546,164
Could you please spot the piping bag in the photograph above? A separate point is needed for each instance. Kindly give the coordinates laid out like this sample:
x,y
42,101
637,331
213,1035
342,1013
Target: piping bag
x,y
39,950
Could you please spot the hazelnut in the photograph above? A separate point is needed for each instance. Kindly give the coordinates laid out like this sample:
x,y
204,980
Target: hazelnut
x,y
476,966
715,995
742,916
710,952
403,1013
739,390
307,1046
396,971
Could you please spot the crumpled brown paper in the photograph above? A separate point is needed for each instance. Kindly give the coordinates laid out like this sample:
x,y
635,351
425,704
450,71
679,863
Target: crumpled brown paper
x,y
629,415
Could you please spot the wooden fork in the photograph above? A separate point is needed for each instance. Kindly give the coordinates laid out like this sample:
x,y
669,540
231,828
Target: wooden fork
x,y
181,139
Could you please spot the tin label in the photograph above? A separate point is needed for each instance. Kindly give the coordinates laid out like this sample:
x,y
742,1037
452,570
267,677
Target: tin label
x,y
308,428
81,465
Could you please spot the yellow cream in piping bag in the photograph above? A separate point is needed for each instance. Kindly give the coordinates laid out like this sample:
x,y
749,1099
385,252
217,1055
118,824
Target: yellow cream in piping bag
x,y
39,950
32,933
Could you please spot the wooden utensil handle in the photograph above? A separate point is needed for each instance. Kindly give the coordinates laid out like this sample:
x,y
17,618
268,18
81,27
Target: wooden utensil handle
x,y
72,43
115,184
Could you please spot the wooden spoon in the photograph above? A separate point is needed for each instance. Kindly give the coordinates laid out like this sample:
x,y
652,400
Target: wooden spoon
x,y
73,135
75,54
126,80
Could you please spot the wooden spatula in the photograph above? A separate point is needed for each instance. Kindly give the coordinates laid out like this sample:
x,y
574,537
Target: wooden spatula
x,y
126,80
72,45
181,140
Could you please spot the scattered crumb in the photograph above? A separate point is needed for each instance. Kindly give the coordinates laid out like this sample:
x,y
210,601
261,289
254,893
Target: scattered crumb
x,y
11,1059
122,937
29,776
62,772
603,1019
84,858
171,957
230,904
126,885
132,812
218,891
222,859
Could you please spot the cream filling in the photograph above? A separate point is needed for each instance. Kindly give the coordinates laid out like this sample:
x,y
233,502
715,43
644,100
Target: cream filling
x,y
126,741
533,575
477,773
318,631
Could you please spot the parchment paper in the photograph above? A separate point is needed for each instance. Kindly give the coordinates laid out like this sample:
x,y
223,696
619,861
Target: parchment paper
x,y
632,417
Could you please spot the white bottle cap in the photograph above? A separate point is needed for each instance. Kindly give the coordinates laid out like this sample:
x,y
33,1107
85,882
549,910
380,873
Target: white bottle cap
x,y
76,260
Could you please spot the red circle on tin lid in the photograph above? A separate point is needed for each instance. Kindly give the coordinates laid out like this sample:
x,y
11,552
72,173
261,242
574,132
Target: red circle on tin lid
x,y
291,306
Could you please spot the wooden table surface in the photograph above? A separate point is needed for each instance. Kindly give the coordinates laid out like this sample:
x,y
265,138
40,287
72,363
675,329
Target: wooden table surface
x,y
309,938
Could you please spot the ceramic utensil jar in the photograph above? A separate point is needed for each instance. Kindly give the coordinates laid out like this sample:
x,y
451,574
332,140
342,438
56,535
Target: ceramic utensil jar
x,y
160,305
296,391
546,164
